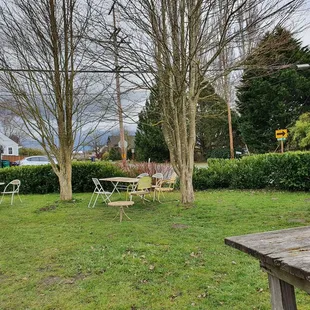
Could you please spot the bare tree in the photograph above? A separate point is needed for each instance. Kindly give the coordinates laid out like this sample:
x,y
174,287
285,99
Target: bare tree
x,y
177,42
96,141
12,126
42,52
231,52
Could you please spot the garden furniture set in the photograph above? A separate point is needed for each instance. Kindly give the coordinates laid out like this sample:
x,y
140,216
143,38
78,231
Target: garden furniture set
x,y
139,186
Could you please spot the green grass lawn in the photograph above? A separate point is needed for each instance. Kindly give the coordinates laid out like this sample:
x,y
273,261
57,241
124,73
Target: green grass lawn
x,y
66,256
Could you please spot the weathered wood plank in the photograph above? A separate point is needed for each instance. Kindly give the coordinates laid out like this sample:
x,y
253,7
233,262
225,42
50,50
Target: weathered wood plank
x,y
287,249
282,294
286,277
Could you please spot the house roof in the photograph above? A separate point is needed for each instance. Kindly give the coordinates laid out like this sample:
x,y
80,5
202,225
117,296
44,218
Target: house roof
x,y
6,141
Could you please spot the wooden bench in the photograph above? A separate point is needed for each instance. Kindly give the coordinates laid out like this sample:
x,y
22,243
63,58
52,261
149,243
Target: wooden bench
x,y
285,256
121,205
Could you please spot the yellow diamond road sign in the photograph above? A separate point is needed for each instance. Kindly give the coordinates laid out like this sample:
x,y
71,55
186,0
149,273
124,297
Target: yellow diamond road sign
x,y
281,133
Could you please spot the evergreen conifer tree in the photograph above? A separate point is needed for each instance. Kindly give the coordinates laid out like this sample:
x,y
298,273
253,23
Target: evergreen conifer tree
x,y
149,141
270,98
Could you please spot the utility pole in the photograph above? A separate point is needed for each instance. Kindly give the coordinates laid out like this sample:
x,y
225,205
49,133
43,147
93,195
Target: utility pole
x,y
230,131
117,84
227,97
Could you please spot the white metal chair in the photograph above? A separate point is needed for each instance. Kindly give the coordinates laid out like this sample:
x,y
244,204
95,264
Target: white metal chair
x,y
11,189
158,177
144,174
165,186
99,191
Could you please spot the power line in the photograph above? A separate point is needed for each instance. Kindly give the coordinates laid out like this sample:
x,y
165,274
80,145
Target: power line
x,y
75,71
118,69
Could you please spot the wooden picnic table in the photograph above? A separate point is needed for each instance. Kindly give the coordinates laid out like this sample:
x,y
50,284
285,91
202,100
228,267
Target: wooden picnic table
x,y
285,256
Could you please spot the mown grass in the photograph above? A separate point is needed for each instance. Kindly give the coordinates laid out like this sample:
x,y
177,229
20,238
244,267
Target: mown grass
x,y
66,256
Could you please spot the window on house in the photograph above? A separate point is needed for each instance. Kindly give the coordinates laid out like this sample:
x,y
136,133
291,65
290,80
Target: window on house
x,y
10,150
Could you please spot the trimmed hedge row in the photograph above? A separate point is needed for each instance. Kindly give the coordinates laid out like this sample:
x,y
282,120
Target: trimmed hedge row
x,y
42,179
288,171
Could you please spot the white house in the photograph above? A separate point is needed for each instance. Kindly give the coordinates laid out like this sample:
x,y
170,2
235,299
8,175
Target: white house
x,y
9,146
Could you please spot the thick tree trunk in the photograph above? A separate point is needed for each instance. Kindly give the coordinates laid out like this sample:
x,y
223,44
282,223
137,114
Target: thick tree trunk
x,y
186,187
65,181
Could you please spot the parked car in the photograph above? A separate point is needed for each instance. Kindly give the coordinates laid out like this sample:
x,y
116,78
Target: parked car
x,y
35,160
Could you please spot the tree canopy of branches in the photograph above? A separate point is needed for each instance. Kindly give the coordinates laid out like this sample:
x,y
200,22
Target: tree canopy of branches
x,y
178,42
42,49
11,126
273,99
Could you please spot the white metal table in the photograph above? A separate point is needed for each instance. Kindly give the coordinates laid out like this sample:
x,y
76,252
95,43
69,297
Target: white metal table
x,y
116,181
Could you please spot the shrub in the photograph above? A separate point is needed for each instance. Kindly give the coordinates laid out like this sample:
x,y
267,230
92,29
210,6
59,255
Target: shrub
x,y
82,172
218,153
217,175
27,151
105,156
42,179
151,168
288,171
114,154
252,172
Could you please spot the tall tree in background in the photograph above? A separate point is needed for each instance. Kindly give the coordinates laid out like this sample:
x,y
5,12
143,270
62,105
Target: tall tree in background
x,y
150,141
177,42
42,49
211,127
273,99
212,123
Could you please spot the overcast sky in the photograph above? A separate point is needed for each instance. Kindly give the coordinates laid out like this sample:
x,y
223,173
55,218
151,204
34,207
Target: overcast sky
x,y
137,99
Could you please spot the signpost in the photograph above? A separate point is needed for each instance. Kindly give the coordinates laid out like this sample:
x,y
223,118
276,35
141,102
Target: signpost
x,y
281,135
124,149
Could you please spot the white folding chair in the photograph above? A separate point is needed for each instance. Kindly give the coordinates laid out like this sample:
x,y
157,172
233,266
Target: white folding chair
x,y
165,186
158,182
141,175
11,189
100,192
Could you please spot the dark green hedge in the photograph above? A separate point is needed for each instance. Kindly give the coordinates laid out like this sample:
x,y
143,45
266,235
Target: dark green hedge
x,y
288,171
217,175
42,179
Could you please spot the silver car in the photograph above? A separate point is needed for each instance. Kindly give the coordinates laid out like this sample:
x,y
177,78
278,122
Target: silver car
x,y
35,160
